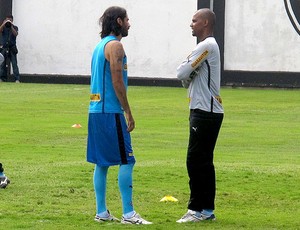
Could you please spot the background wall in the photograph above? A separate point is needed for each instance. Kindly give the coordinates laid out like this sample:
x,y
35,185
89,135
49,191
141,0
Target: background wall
x,y
258,42
5,9
58,37
260,37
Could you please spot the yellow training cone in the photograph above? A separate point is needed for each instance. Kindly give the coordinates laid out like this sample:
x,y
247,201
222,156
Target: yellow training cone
x,y
76,126
168,198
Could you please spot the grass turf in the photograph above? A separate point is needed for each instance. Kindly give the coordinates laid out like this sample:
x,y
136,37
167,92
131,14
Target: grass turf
x,y
256,158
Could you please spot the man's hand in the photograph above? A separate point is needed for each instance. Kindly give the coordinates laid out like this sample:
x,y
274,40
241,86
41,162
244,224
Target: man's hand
x,y
7,20
186,83
130,122
14,31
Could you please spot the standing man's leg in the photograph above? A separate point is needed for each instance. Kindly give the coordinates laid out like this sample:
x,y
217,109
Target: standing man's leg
x,y
204,130
125,185
14,63
100,175
200,164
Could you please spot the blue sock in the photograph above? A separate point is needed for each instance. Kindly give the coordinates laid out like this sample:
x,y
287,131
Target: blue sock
x,y
129,215
125,186
104,214
100,175
2,174
207,212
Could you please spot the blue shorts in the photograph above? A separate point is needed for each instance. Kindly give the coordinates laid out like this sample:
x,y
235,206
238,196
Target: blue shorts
x,y
109,142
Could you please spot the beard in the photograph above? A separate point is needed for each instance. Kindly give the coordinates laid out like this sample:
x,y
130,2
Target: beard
x,y
124,32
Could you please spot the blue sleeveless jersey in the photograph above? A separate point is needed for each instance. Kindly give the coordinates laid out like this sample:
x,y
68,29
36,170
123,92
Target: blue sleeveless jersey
x,y
103,98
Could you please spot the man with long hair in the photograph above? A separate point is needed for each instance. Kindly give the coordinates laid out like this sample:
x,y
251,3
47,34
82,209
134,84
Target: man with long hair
x,y
109,141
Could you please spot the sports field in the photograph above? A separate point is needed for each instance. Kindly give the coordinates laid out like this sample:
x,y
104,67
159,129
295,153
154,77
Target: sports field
x,y
257,159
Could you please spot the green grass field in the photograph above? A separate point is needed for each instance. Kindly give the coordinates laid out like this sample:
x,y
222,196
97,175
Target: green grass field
x,y
257,159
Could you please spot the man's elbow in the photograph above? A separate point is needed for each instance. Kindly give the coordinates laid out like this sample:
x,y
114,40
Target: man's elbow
x,y
181,76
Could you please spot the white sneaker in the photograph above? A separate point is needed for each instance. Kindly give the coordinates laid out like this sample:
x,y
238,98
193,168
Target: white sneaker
x,y
108,218
135,219
4,181
190,216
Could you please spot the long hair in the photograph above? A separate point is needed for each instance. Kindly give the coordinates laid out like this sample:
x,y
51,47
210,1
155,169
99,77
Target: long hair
x,y
109,23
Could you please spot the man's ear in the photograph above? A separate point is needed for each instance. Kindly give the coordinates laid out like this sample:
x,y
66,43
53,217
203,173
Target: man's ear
x,y
206,22
119,21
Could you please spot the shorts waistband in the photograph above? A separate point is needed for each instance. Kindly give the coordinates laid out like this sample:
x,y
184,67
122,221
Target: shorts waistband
x,y
198,111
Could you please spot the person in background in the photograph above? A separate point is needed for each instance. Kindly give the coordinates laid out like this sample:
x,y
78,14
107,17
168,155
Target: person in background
x,y
109,141
200,73
4,181
9,33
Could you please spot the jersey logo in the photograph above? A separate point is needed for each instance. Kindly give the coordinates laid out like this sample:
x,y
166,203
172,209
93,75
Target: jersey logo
x,y
200,58
292,8
195,129
95,97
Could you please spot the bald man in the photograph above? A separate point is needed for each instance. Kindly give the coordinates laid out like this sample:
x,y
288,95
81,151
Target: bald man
x,y
200,73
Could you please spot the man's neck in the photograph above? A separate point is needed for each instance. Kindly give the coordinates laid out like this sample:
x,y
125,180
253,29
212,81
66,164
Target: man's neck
x,y
204,36
119,37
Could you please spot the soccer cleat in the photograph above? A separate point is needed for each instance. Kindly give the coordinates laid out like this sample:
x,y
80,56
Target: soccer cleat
x,y
104,219
135,219
4,181
190,216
